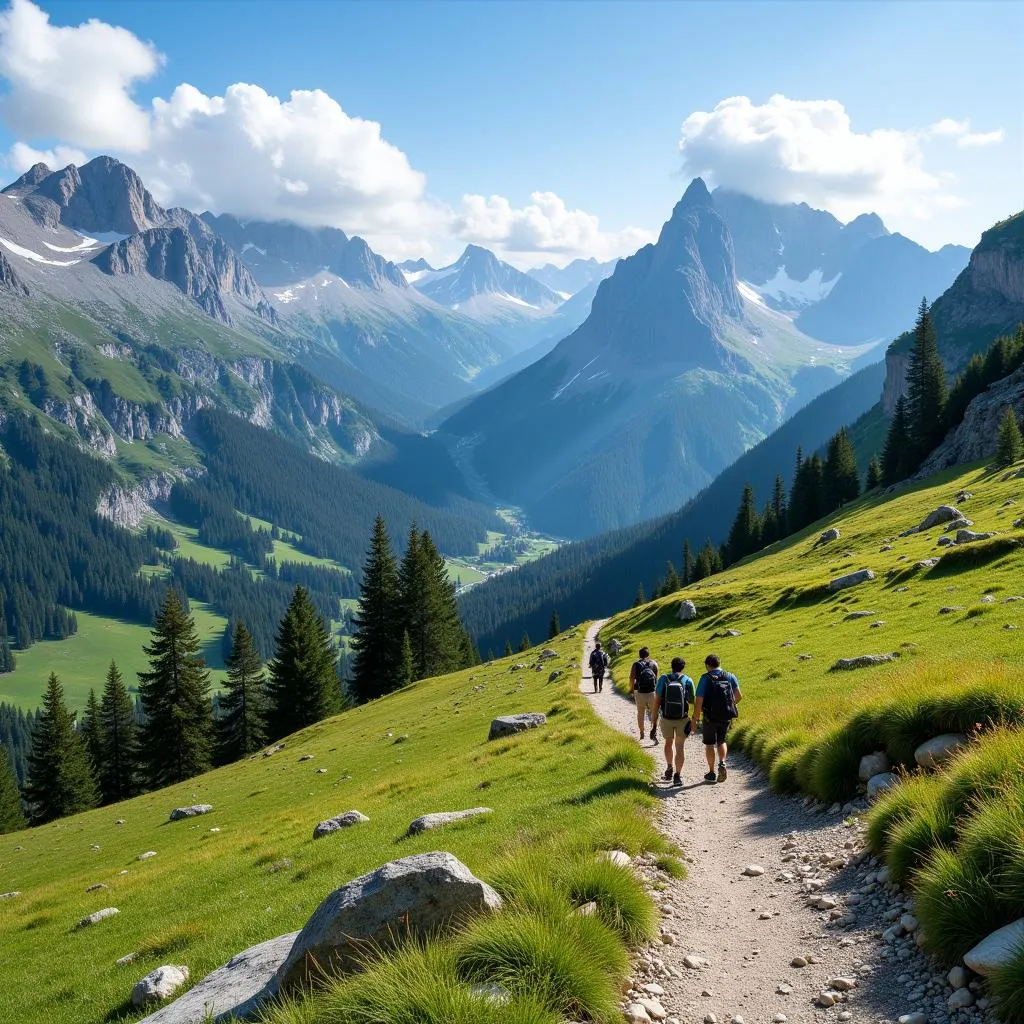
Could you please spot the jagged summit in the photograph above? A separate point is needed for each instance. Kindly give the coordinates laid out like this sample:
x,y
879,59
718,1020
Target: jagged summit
x,y
29,180
478,272
696,194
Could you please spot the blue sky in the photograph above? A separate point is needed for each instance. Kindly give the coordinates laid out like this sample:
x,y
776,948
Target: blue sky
x,y
545,130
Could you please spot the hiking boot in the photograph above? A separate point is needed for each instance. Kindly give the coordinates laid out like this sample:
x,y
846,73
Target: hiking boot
x,y
668,773
676,780
654,732
722,773
710,777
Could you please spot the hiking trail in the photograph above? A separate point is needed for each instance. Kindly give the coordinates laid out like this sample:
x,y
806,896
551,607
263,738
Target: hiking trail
x,y
747,931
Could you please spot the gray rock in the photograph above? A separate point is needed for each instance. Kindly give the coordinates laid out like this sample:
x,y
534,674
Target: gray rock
x,y
851,579
918,1017
554,675
346,820
548,653
861,614
945,542
863,661
968,536
99,915
753,871
958,524
1019,523
159,984
960,999
614,647
276,748
234,991
98,887
617,857
951,609
124,961
190,812
829,535
10,895
958,976
509,725
878,784
306,757
440,818
687,611
414,896
939,749
147,855
996,949
943,514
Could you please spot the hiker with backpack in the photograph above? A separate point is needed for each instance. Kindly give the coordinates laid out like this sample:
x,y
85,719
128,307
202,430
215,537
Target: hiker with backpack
x,y
718,693
598,664
673,696
643,681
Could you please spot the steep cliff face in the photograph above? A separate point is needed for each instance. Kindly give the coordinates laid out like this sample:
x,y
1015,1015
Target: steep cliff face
x,y
978,433
129,506
9,279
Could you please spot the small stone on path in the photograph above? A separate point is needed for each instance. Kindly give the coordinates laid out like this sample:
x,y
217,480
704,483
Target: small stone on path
x,y
753,870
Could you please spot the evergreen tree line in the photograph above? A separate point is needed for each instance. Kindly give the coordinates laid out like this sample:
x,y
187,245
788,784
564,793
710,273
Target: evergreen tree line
x,y
16,725
119,750
408,625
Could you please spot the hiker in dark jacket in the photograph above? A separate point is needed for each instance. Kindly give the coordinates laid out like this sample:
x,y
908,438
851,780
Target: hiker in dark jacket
x,y
718,693
598,664
643,680
674,697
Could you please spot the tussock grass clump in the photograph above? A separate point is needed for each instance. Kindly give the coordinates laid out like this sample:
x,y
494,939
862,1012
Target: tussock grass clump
x,y
568,964
630,758
672,866
912,839
415,984
970,556
894,807
622,903
1008,985
783,773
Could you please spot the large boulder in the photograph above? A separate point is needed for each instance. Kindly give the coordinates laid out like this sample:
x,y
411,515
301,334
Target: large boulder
x,y
614,647
873,764
415,896
851,579
99,915
548,653
232,992
942,514
687,611
829,535
878,784
939,749
863,661
428,821
159,984
190,812
339,821
509,725
996,949
969,536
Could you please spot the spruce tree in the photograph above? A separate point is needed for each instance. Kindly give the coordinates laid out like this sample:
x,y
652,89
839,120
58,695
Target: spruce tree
x,y
841,479
1010,446
11,816
508,649
60,779
779,506
376,649
672,580
6,656
406,672
745,533
241,729
413,603
641,597
895,454
687,563
525,644
874,478
554,626
92,732
303,686
927,392
176,738
448,646
120,766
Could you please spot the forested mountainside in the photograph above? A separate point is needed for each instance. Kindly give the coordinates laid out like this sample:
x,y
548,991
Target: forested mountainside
x,y
672,377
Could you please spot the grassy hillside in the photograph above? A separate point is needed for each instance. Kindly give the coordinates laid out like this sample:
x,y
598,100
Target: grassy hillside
x,y
249,870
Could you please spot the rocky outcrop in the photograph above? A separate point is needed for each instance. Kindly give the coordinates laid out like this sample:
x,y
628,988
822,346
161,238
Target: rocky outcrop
x,y
192,811
850,579
509,725
414,897
9,279
978,433
439,819
340,821
130,506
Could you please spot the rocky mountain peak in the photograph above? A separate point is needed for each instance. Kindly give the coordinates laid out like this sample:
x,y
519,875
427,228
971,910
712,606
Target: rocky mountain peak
x,y
358,264
478,271
29,180
866,226
696,194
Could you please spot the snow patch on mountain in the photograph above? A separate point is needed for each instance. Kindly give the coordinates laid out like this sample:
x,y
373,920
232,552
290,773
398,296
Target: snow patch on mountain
x,y
782,288
28,254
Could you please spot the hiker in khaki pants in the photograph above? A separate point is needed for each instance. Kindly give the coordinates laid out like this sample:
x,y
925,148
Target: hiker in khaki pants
x,y
643,680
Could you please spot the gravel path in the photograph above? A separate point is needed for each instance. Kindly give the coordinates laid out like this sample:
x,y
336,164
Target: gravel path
x,y
819,898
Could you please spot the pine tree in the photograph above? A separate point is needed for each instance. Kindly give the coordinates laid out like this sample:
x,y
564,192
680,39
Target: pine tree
x,y
554,626
874,479
709,561
241,728
376,649
11,816
448,648
745,533
176,738
641,597
672,580
120,765
524,644
1010,446
490,655
687,563
927,392
841,479
303,686
895,454
508,649
92,732
413,603
6,656
60,779
407,671
779,506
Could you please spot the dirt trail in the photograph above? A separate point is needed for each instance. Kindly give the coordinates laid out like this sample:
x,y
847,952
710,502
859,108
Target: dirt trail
x,y
748,930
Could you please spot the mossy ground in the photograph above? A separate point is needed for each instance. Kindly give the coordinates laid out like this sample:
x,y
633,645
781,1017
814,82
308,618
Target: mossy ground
x,y
207,895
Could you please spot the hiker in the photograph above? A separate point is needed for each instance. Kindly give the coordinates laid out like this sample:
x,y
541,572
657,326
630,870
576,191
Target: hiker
x,y
598,663
718,693
673,697
643,681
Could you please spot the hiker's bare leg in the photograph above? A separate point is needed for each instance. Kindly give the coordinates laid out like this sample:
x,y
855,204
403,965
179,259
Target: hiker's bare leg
x,y
680,754
709,751
668,752
722,751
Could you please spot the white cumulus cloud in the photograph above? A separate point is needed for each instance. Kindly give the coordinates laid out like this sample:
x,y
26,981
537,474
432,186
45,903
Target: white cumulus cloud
x,y
808,151
546,228
965,138
73,83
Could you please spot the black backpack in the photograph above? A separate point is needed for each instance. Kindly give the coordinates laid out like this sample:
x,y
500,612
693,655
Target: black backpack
x,y
598,661
675,705
719,700
646,676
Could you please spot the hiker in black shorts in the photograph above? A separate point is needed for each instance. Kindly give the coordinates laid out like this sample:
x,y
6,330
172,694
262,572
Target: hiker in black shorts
x,y
718,693
643,680
598,664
